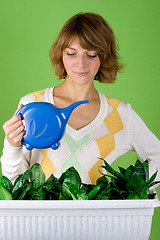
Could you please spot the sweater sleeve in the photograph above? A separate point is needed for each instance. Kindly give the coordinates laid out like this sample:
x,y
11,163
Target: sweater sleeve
x,y
144,142
14,160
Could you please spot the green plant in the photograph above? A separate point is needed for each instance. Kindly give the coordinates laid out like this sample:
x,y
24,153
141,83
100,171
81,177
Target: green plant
x,y
4,193
130,183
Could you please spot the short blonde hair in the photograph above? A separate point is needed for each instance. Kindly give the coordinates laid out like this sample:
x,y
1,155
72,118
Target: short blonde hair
x,y
94,33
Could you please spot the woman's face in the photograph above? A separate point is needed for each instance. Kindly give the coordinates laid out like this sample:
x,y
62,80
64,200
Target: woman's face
x,y
81,65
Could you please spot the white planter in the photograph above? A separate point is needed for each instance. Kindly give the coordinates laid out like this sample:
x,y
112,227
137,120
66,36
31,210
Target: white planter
x,y
76,220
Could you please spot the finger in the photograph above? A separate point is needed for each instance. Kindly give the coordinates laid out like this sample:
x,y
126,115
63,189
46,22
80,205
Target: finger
x,y
15,125
17,140
21,105
12,121
13,134
19,137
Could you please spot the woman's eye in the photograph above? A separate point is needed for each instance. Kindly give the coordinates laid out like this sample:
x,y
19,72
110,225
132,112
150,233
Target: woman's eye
x,y
70,54
92,56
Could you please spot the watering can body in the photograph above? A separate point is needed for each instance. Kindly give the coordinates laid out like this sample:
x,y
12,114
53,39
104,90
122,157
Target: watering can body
x,y
45,124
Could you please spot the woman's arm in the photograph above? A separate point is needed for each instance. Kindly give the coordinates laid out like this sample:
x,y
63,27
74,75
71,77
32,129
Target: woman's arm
x,y
13,160
144,142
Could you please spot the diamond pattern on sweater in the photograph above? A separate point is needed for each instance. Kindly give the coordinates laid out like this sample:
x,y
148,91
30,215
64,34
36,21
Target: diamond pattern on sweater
x,y
46,164
114,124
73,147
37,95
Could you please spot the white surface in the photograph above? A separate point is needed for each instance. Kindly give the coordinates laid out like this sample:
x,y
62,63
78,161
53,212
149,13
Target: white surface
x,y
76,220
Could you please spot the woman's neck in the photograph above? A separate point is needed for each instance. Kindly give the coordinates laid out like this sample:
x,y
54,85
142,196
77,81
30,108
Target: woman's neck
x,y
74,92
65,94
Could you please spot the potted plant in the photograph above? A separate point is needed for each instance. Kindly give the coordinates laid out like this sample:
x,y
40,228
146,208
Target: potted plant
x,y
119,206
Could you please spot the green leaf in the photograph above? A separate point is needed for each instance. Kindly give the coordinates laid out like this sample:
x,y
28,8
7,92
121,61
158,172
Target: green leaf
x,y
18,192
111,177
153,177
53,183
51,179
20,181
17,179
133,195
0,170
118,183
69,189
52,190
92,194
42,193
49,187
120,189
34,195
64,196
28,187
37,176
52,195
135,183
139,169
71,176
122,170
7,183
88,187
146,169
82,194
129,172
102,197
103,181
104,194
4,193
143,193
109,169
114,194
153,183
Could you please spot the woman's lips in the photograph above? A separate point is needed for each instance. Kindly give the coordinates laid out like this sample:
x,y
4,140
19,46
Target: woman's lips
x,y
81,73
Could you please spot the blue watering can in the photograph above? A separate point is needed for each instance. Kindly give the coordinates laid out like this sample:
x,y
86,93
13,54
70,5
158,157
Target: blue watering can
x,y
45,123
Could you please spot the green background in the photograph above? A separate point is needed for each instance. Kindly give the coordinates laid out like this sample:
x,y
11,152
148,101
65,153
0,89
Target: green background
x,y
28,28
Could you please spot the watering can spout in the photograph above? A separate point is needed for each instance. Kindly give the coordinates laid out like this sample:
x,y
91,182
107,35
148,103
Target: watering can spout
x,y
66,112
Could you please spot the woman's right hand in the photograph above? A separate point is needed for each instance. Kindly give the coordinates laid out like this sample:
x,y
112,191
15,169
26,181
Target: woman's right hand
x,y
14,129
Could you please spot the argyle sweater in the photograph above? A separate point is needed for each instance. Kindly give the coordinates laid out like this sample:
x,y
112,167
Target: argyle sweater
x,y
116,130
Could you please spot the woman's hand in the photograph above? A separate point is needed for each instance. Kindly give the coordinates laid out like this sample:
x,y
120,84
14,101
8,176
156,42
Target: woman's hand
x,y
14,129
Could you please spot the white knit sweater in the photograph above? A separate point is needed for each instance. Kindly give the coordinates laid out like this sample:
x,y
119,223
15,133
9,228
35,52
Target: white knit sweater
x,y
116,130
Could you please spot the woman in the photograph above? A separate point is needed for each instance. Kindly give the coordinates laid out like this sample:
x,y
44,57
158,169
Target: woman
x,y
84,51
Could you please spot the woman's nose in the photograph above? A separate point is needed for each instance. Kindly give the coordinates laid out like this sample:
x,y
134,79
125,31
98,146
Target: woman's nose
x,y
81,61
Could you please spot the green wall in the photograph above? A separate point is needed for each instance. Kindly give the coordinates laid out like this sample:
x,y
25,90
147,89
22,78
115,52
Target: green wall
x,y
28,28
